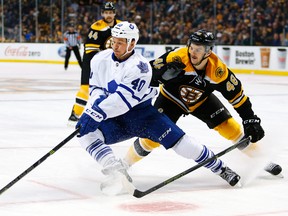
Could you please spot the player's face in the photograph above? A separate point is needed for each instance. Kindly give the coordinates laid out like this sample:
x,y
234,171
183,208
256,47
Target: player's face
x,y
121,49
196,53
108,16
119,46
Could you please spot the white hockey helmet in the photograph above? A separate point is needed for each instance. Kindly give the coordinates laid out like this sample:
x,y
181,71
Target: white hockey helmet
x,y
126,30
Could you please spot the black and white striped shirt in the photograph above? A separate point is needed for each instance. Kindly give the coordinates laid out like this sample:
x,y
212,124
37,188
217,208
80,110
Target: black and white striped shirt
x,y
72,38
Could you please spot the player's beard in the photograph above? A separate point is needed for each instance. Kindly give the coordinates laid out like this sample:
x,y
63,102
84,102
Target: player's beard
x,y
109,20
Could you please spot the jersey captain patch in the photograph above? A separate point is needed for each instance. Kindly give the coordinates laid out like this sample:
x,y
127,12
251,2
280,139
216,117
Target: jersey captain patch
x,y
219,72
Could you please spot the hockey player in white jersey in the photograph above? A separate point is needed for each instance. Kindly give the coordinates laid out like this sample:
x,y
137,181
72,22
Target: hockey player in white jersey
x,y
119,108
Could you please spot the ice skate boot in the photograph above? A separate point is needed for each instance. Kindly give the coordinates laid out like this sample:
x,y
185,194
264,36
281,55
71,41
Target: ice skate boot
x,y
117,166
230,176
274,169
115,172
73,119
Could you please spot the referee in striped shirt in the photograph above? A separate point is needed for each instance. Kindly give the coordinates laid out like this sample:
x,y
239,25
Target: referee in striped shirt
x,y
72,40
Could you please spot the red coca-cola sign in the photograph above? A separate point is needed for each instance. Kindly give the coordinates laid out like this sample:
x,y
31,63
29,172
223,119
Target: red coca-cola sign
x,y
17,51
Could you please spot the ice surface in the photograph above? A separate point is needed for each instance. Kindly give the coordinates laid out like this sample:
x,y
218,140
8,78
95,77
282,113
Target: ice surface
x,y
35,103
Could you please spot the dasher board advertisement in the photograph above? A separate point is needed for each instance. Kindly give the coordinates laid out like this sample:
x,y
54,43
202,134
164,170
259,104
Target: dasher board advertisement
x,y
251,57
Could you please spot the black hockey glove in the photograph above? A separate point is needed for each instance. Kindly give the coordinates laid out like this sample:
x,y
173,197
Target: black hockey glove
x,y
172,70
176,65
253,128
167,72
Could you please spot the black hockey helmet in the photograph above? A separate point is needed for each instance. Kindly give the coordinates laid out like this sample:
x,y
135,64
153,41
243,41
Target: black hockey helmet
x,y
108,6
202,37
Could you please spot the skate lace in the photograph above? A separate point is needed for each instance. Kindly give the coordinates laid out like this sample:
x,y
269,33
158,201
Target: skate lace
x,y
270,167
228,174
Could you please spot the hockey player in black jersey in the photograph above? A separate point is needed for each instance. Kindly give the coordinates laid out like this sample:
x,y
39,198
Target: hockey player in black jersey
x,y
189,75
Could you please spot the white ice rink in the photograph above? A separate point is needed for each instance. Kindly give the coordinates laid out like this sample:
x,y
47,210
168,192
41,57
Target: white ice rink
x,y
35,103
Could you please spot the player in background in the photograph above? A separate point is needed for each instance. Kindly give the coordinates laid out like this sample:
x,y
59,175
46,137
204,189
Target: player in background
x,y
189,75
73,41
98,39
120,108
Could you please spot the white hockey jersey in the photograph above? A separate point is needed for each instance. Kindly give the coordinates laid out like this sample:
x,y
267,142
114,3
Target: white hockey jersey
x,y
125,84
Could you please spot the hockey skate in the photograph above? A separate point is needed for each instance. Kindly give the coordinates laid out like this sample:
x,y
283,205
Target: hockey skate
x,y
274,169
117,166
115,173
230,176
73,119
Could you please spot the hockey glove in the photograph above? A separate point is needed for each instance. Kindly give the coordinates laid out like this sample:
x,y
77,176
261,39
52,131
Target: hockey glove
x,y
253,128
173,70
167,72
90,120
176,65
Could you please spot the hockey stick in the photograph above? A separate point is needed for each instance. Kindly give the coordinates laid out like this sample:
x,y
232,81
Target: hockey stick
x,y
137,193
39,161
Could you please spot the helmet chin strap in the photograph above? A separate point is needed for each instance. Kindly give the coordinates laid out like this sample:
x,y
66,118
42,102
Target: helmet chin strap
x,y
127,51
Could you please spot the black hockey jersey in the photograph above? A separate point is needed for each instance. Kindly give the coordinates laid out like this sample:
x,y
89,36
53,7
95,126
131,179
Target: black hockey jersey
x,y
99,37
190,90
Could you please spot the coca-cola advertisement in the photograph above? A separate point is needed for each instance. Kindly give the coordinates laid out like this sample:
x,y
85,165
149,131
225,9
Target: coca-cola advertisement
x,y
20,50
38,53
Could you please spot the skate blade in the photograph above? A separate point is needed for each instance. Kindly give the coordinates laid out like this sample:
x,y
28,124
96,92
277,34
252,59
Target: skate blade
x,y
238,185
71,124
279,175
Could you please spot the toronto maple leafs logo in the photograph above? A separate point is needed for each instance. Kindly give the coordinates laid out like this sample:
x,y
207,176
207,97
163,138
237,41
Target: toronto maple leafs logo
x,y
143,67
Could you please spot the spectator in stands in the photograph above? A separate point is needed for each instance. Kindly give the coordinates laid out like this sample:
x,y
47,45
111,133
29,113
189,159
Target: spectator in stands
x,y
276,40
183,18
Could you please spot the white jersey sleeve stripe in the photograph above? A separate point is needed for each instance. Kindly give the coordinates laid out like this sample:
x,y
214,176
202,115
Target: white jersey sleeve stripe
x,y
95,88
131,91
151,91
124,99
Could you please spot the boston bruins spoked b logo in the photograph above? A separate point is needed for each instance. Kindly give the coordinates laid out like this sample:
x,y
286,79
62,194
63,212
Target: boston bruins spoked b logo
x,y
108,43
189,95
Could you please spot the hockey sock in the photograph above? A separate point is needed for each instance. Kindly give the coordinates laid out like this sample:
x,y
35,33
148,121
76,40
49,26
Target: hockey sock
x,y
140,149
189,148
230,129
81,100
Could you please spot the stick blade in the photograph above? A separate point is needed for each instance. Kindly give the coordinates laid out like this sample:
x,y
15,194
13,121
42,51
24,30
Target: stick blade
x,y
138,194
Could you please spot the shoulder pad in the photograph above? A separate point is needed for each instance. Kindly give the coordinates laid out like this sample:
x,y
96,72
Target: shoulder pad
x,y
99,25
179,54
218,71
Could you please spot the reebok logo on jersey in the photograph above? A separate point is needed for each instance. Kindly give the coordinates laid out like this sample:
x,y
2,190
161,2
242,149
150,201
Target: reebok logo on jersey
x,y
198,81
164,134
143,67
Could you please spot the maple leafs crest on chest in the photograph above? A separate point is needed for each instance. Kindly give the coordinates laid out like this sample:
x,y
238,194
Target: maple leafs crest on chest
x,y
143,67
